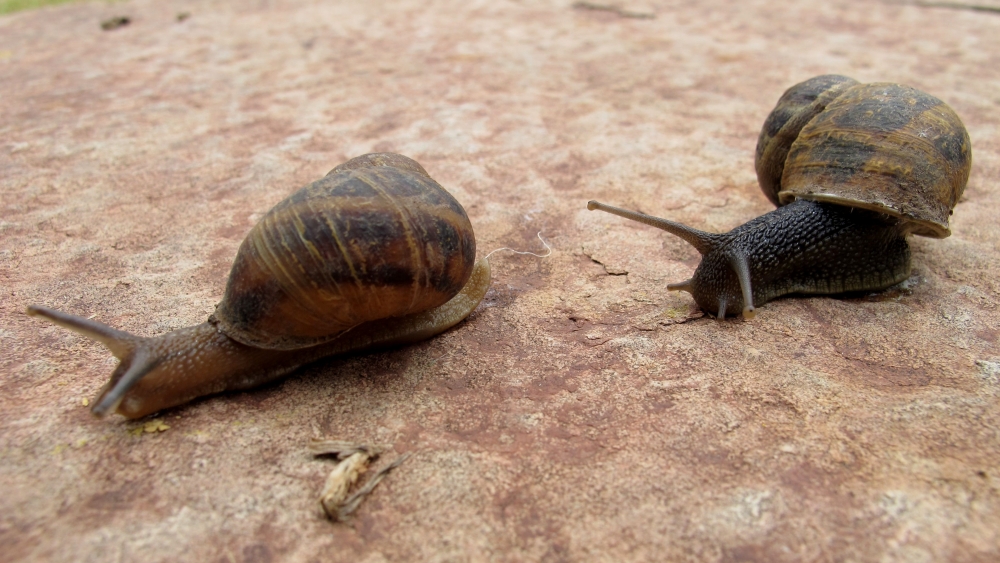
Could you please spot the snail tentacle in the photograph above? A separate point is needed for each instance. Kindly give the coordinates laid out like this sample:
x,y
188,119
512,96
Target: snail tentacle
x,y
686,285
703,242
131,369
738,261
119,342
136,359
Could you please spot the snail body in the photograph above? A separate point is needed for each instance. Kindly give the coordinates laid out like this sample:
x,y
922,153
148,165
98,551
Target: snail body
x,y
375,254
854,169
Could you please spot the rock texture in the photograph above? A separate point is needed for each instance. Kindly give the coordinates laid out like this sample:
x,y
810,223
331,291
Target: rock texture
x,y
582,413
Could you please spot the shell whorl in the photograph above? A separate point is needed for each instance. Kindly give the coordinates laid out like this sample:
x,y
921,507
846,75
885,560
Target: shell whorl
x,y
796,107
884,147
375,238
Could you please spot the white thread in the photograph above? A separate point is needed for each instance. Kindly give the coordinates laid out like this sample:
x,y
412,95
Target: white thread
x,y
546,255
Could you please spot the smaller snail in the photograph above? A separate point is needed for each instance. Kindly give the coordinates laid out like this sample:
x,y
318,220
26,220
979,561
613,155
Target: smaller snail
x,y
854,169
375,254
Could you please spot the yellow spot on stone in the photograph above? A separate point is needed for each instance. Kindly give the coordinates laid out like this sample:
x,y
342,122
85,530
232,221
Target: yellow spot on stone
x,y
6,54
81,442
674,312
151,427
85,401
58,449
155,425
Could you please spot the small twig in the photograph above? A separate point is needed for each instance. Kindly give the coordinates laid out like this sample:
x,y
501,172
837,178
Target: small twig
x,y
115,23
956,6
613,9
341,449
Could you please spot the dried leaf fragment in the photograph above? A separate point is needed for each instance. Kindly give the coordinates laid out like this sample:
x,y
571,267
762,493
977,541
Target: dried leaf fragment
x,y
354,500
336,500
338,483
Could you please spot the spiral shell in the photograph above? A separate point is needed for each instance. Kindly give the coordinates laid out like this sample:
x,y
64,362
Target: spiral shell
x,y
884,147
375,238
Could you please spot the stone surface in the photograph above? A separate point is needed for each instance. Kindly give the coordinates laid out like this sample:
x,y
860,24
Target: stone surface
x,y
575,415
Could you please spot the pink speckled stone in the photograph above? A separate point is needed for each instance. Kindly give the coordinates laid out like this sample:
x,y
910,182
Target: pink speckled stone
x,y
572,417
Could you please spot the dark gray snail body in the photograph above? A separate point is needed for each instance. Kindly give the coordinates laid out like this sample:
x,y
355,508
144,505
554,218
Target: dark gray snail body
x,y
375,254
854,168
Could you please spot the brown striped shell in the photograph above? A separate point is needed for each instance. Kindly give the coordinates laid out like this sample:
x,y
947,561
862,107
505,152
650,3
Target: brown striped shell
x,y
375,238
884,147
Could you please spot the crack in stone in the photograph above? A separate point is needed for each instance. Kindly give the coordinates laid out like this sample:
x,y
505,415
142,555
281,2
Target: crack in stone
x,y
611,271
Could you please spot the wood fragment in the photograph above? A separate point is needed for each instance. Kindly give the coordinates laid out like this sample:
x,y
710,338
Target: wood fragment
x,y
613,9
341,449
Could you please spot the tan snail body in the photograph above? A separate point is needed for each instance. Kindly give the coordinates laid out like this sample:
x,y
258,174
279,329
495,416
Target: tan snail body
x,y
375,254
854,169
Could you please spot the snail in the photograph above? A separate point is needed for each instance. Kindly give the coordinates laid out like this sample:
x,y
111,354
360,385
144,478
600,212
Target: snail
x,y
374,254
854,169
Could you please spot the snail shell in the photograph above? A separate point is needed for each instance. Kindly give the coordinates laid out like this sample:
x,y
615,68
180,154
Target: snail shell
x,y
854,168
375,238
884,147
374,254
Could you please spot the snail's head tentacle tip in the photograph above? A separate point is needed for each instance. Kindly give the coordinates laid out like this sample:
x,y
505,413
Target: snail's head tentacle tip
x,y
120,343
686,285
131,369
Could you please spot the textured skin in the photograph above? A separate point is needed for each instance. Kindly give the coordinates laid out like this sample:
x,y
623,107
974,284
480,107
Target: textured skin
x,y
884,147
375,238
804,247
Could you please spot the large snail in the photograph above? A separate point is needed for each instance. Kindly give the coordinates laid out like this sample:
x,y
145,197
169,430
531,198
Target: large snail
x,y
854,168
374,254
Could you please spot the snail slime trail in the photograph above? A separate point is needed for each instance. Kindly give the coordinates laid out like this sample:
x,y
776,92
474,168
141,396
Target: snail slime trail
x,y
853,168
373,255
